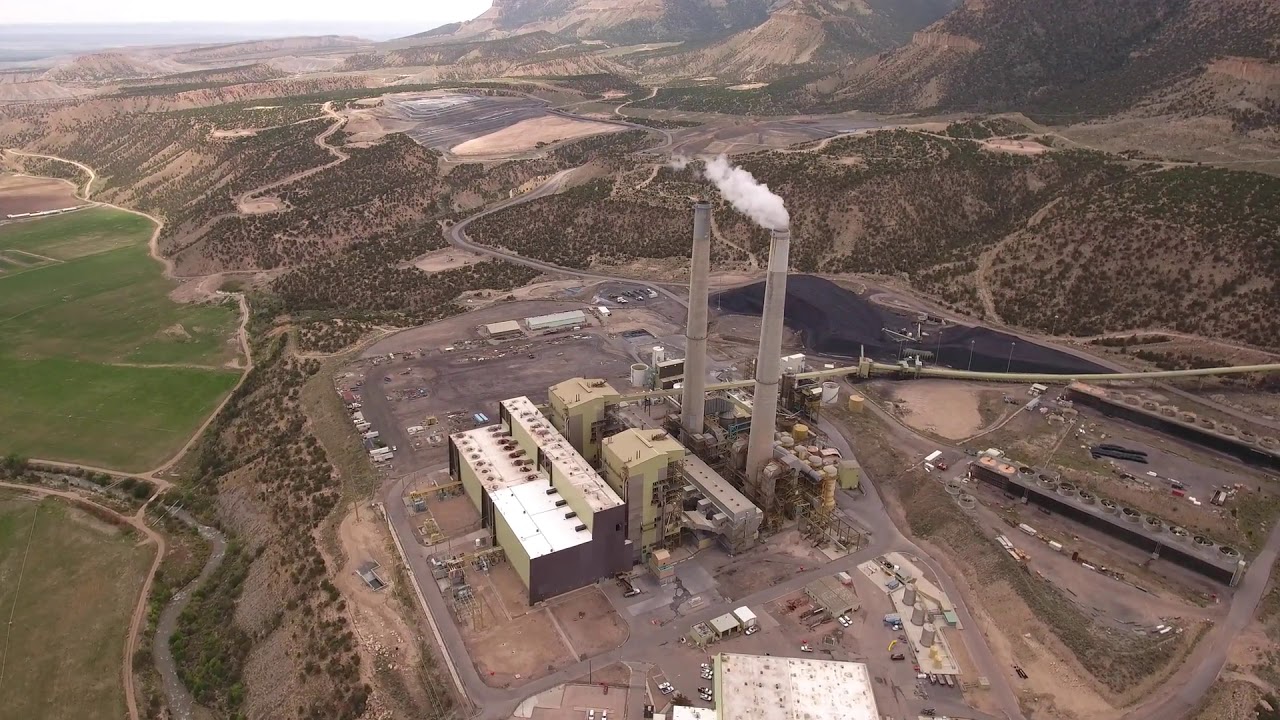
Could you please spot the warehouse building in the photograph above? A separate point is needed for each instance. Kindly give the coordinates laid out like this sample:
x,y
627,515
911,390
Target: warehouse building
x,y
756,687
556,321
561,526
503,330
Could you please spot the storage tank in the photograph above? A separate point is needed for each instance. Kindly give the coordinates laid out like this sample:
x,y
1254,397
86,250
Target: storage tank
x,y
917,614
909,595
800,432
788,442
639,372
966,501
856,402
927,635
830,392
828,489
659,355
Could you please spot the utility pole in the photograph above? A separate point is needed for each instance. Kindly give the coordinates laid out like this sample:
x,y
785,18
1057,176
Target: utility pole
x,y
971,354
1009,365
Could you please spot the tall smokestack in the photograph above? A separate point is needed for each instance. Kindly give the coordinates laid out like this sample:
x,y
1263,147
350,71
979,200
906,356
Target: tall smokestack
x,y
693,399
768,374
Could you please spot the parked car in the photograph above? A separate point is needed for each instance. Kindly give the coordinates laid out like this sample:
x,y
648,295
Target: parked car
x,y
751,630
666,688
845,621
804,647
897,656
631,593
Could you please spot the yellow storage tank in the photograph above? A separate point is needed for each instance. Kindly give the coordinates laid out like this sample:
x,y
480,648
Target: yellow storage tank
x,y
855,402
800,432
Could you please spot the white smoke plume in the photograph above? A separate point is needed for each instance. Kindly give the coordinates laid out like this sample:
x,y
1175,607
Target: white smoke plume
x,y
749,197
679,162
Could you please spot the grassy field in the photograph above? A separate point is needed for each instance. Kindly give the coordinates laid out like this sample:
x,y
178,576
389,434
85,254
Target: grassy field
x,y
79,584
87,321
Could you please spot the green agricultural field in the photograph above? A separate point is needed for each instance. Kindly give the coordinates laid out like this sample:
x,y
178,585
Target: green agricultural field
x,y
80,579
98,365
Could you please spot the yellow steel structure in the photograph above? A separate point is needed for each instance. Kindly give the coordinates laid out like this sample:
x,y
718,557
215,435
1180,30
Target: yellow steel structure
x,y
577,410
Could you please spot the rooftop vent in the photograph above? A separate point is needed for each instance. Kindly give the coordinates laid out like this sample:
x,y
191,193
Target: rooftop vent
x,y
580,528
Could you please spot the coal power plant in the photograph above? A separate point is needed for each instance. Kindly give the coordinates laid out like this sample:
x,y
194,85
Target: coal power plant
x,y
836,322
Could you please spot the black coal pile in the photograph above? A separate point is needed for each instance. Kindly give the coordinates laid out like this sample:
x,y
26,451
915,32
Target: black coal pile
x,y
834,321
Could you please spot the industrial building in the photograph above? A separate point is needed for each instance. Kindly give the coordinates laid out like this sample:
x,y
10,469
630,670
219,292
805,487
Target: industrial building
x,y
671,495
578,412
503,330
560,525
556,321
1147,532
1260,451
766,687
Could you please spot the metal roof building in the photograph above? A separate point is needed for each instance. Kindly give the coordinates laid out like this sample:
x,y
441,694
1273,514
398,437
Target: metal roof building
x,y
755,687
556,320
501,329
560,525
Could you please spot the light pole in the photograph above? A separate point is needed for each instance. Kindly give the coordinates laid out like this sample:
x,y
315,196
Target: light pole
x,y
971,354
1054,330
1009,365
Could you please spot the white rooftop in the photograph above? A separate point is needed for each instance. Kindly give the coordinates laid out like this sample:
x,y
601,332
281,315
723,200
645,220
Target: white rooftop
x,y
536,521
757,687
483,449
565,460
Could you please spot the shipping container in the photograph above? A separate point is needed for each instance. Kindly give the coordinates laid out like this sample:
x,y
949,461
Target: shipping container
x,y
1057,546
1027,529
933,456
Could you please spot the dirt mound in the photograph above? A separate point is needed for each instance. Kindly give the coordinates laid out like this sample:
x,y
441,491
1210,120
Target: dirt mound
x,y
176,332
530,134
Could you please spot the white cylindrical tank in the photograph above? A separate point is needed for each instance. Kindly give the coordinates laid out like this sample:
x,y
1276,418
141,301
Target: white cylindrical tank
x,y
638,373
658,356
927,635
830,392
909,595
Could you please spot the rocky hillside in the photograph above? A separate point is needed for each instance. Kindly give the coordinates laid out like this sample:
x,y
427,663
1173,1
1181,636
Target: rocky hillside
x,y
805,36
1099,243
269,48
108,66
620,22
1075,58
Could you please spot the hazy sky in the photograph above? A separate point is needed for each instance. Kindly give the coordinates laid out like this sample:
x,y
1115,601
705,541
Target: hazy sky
x,y
412,15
